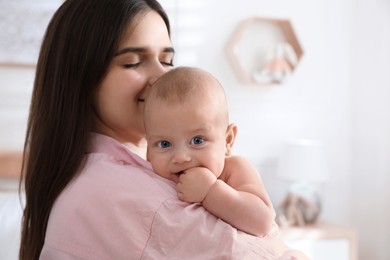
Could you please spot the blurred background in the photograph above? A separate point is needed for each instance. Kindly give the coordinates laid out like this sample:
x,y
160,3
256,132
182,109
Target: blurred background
x,y
337,93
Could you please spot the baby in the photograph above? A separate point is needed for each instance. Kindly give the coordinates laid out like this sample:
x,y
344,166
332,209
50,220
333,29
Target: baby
x,y
190,141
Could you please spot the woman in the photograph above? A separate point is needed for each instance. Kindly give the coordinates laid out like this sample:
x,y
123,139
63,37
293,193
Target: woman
x,y
90,193
87,81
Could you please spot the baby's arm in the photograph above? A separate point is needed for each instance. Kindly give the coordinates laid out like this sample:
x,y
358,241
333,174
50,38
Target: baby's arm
x,y
240,198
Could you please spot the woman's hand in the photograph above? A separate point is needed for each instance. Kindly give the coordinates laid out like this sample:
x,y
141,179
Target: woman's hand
x,y
194,184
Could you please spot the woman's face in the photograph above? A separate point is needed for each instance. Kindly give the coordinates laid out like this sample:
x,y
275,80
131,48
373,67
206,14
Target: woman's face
x,y
144,54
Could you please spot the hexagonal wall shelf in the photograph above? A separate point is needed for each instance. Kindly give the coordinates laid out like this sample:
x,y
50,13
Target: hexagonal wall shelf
x,y
263,51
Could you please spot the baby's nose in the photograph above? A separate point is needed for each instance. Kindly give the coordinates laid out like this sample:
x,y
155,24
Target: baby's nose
x,y
181,156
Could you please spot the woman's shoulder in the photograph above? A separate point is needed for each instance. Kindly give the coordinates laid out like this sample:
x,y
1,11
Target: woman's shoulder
x,y
106,182
110,163
105,207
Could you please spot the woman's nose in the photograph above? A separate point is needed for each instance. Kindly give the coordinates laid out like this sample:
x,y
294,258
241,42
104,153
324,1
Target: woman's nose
x,y
157,71
153,79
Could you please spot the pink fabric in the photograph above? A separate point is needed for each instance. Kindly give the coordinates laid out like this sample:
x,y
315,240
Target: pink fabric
x,y
117,208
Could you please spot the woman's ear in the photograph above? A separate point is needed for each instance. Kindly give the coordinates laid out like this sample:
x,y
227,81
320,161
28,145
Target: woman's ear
x,y
231,133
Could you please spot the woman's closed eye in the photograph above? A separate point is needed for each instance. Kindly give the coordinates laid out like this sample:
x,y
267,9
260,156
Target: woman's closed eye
x,y
131,65
167,63
166,58
137,64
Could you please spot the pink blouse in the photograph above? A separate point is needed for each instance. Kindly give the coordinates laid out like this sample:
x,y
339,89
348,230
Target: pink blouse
x,y
117,208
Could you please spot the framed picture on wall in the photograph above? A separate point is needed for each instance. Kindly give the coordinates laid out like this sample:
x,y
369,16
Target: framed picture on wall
x,y
22,27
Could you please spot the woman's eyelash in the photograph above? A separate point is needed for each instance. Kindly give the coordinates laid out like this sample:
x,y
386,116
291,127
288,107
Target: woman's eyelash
x,y
167,63
131,65
135,65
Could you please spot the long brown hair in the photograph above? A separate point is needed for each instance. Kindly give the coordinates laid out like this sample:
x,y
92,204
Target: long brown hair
x,y
80,41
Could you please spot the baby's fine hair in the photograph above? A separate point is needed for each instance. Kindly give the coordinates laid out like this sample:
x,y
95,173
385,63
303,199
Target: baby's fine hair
x,y
182,83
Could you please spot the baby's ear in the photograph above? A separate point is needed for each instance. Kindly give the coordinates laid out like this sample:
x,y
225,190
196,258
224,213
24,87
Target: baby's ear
x,y
231,133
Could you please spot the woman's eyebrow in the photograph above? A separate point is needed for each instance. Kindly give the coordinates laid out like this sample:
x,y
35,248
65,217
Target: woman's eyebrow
x,y
141,50
169,49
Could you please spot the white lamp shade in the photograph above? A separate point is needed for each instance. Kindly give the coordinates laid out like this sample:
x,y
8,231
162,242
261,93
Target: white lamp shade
x,y
303,160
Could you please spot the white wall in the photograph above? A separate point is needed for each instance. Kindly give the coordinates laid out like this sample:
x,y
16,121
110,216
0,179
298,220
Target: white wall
x,y
339,93
370,67
314,103
15,93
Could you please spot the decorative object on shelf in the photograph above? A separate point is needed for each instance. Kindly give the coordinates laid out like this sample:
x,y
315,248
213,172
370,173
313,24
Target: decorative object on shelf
x,y
280,64
304,164
263,51
298,210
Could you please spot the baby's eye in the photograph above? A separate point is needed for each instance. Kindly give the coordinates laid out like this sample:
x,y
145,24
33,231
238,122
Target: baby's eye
x,y
164,144
197,140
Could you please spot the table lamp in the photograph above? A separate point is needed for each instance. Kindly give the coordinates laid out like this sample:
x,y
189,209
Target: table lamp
x,y
304,164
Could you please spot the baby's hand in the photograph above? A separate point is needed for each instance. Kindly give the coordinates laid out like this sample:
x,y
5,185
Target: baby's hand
x,y
194,184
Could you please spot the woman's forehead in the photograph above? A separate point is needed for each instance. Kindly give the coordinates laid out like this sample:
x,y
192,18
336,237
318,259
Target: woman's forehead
x,y
146,30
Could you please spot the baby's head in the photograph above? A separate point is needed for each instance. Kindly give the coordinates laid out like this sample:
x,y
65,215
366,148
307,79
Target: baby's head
x,y
189,86
186,122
